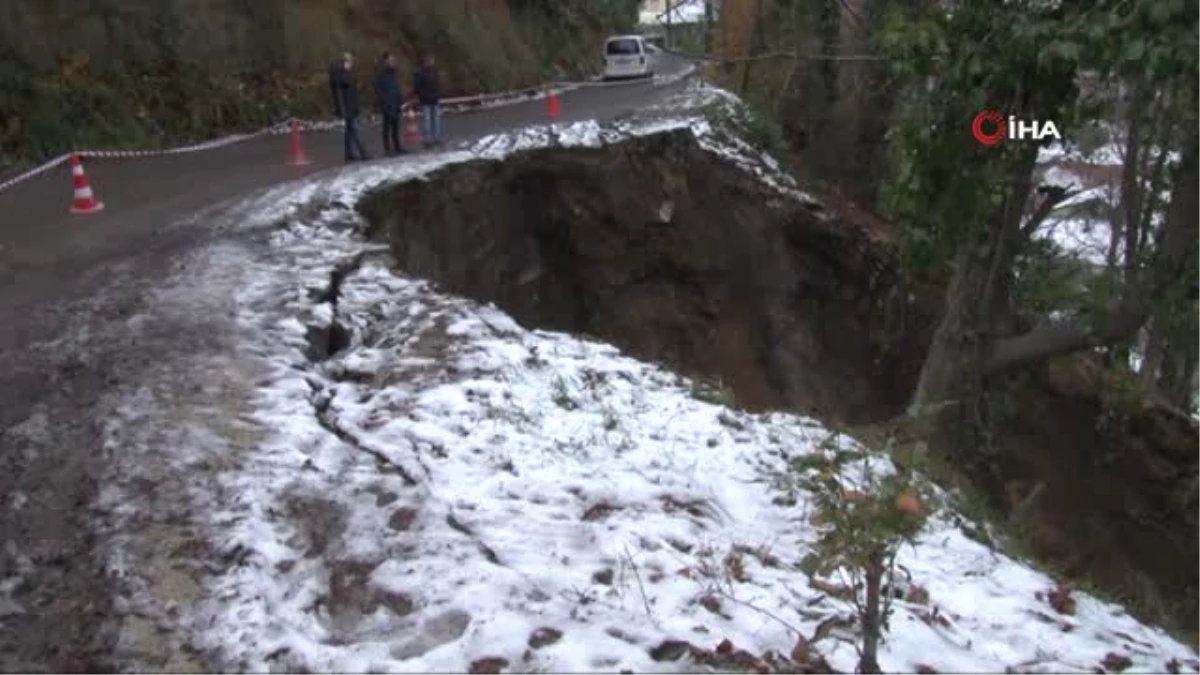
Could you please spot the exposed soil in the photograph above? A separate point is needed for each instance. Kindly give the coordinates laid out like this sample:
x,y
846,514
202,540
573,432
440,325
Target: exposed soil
x,y
1119,501
676,256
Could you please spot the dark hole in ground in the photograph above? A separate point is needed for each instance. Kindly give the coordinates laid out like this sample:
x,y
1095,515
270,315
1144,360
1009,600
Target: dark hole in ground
x,y
679,257
327,341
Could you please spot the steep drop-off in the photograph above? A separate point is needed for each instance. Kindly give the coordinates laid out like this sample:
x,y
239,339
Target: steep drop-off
x,y
675,255
679,257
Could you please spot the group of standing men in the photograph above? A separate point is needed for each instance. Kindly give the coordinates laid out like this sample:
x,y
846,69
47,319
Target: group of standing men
x,y
390,97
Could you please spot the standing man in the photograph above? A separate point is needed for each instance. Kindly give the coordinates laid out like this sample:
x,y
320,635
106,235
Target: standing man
x,y
428,94
345,101
335,69
387,90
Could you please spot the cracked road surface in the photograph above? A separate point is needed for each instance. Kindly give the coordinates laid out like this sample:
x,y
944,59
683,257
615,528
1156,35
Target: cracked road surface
x,y
84,314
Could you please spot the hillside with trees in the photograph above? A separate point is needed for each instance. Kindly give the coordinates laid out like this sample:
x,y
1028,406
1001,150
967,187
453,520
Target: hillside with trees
x,y
1046,377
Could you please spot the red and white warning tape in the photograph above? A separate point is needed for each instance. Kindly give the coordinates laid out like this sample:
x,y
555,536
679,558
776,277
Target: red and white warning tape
x,y
122,154
35,171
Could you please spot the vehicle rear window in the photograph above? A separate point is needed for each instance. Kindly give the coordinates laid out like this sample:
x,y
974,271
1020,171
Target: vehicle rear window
x,y
621,47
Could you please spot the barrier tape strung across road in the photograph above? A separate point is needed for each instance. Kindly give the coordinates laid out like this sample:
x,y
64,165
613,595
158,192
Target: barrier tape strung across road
x,y
450,105
35,171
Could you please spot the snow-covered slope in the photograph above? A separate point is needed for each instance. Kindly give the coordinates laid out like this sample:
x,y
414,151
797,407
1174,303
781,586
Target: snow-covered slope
x,y
1081,225
453,491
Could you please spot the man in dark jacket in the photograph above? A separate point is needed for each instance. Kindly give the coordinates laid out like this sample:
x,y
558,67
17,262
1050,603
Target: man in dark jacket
x,y
428,94
335,69
387,90
345,101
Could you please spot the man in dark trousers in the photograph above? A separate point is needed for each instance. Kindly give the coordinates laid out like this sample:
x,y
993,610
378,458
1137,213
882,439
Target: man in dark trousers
x,y
429,95
387,90
345,101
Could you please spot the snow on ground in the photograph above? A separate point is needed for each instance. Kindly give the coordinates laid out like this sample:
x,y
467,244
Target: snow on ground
x,y
1108,154
699,102
1095,175
452,483
452,487
1080,235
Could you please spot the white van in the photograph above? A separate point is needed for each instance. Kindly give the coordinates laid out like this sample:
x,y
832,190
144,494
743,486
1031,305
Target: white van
x,y
628,56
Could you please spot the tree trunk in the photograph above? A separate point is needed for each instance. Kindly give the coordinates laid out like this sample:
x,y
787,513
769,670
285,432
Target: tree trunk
x,y
757,45
1152,356
950,381
1183,389
1130,211
951,377
872,614
708,27
670,23
1153,169
1177,378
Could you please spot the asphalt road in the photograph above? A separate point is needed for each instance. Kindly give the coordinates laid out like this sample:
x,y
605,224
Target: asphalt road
x,y
67,286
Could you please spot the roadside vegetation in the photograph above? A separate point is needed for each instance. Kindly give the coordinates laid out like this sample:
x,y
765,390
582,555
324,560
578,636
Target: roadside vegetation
x,y
118,74
874,102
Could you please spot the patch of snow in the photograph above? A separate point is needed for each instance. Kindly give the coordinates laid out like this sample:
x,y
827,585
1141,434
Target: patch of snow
x,y
558,484
451,482
343,186
681,12
13,579
1109,154
1085,239
8,605
719,141
1059,176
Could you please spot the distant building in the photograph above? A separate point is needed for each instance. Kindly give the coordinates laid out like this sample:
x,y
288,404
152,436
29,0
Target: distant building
x,y
654,12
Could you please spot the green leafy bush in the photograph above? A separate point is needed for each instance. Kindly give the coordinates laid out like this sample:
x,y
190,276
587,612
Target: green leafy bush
x,y
861,526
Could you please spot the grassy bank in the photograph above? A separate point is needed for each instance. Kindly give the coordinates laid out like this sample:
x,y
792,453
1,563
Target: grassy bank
x,y
177,70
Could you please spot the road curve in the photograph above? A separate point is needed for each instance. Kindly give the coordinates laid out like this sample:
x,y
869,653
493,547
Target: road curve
x,y
68,285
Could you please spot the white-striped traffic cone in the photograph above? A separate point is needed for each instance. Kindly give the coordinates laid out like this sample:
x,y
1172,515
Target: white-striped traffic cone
x,y
84,202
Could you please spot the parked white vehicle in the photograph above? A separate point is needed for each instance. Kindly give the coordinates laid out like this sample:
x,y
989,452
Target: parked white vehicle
x,y
628,56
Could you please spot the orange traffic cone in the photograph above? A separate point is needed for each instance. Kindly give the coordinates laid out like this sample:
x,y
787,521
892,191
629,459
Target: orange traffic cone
x,y
297,158
84,202
552,104
412,133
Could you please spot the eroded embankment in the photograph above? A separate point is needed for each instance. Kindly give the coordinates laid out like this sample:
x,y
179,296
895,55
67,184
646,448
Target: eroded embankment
x,y
674,255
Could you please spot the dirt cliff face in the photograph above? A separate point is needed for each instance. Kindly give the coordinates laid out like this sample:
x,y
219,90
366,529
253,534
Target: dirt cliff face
x,y
676,256
661,248
1118,501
